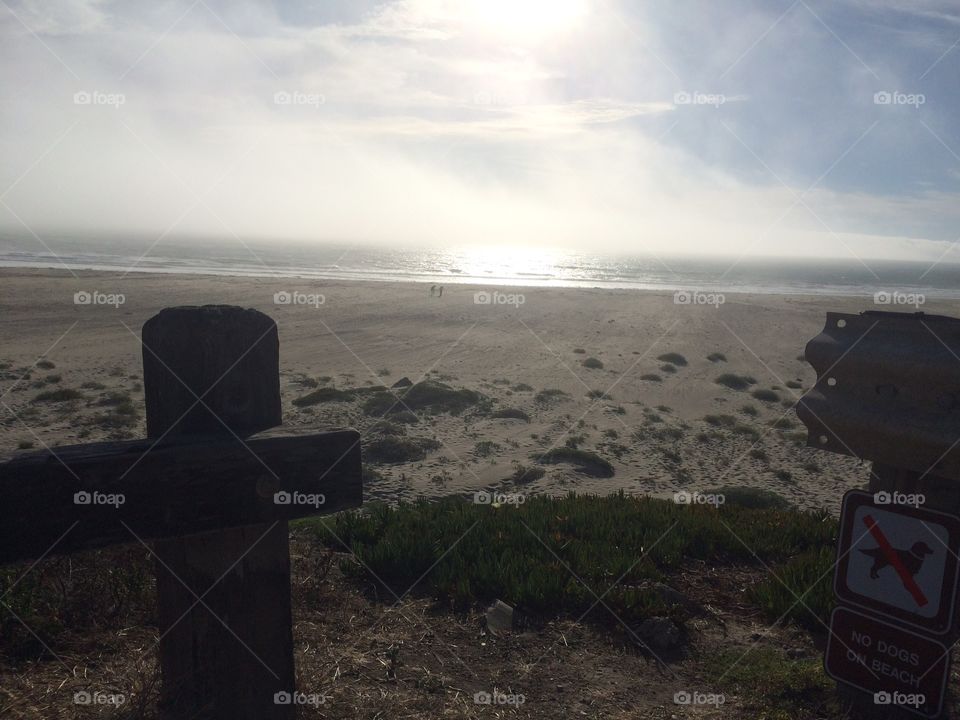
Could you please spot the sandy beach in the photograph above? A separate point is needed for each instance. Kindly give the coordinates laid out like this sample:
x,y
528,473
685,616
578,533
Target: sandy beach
x,y
525,302
664,426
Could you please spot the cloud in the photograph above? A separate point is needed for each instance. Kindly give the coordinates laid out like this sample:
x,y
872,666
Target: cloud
x,y
67,17
422,121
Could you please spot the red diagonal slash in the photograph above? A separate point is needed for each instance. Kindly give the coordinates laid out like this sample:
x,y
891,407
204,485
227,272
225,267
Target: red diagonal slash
x,y
908,582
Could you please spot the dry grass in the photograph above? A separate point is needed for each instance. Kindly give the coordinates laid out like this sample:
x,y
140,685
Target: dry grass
x,y
398,654
119,662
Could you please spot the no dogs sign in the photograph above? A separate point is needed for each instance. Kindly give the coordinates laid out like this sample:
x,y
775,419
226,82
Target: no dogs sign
x,y
898,560
896,584
896,666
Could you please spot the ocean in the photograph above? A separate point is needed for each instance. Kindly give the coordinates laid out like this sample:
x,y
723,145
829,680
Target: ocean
x,y
489,266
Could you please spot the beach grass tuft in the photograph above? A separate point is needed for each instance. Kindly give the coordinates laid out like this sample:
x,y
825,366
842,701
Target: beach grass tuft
x,y
735,382
673,358
586,461
59,395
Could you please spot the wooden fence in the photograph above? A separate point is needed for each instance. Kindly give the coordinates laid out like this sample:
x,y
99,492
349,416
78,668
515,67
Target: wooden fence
x,y
210,502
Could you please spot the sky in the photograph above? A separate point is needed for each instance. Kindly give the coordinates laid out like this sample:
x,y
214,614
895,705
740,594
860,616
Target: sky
x,y
768,127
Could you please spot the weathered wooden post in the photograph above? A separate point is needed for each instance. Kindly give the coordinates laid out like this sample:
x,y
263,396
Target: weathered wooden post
x,y
215,501
888,390
212,371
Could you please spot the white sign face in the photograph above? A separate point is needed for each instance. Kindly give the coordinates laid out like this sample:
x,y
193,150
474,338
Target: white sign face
x,y
898,560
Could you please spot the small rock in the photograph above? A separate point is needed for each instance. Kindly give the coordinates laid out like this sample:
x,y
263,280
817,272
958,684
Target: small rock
x,y
661,634
402,382
499,617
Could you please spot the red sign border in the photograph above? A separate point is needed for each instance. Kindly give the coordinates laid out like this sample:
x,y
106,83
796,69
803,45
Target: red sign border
x,y
942,623
946,665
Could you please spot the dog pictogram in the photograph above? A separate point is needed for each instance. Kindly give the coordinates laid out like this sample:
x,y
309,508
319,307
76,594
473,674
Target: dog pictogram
x,y
902,562
891,556
911,559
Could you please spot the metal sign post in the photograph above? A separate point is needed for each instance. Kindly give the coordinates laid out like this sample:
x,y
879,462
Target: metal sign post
x,y
888,390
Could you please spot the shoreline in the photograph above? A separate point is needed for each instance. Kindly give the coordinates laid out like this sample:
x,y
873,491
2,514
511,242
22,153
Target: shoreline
x,y
936,295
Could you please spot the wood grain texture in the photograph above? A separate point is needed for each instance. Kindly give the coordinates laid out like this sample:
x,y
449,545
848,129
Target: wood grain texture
x,y
174,489
211,369
215,370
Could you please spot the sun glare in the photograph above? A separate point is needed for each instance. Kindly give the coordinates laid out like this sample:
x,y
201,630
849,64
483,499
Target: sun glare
x,y
500,261
523,18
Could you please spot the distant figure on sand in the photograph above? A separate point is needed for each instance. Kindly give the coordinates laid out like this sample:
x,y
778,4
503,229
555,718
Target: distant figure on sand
x,y
441,291
433,289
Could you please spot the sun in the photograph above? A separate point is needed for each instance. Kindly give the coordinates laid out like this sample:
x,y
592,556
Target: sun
x,y
523,18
